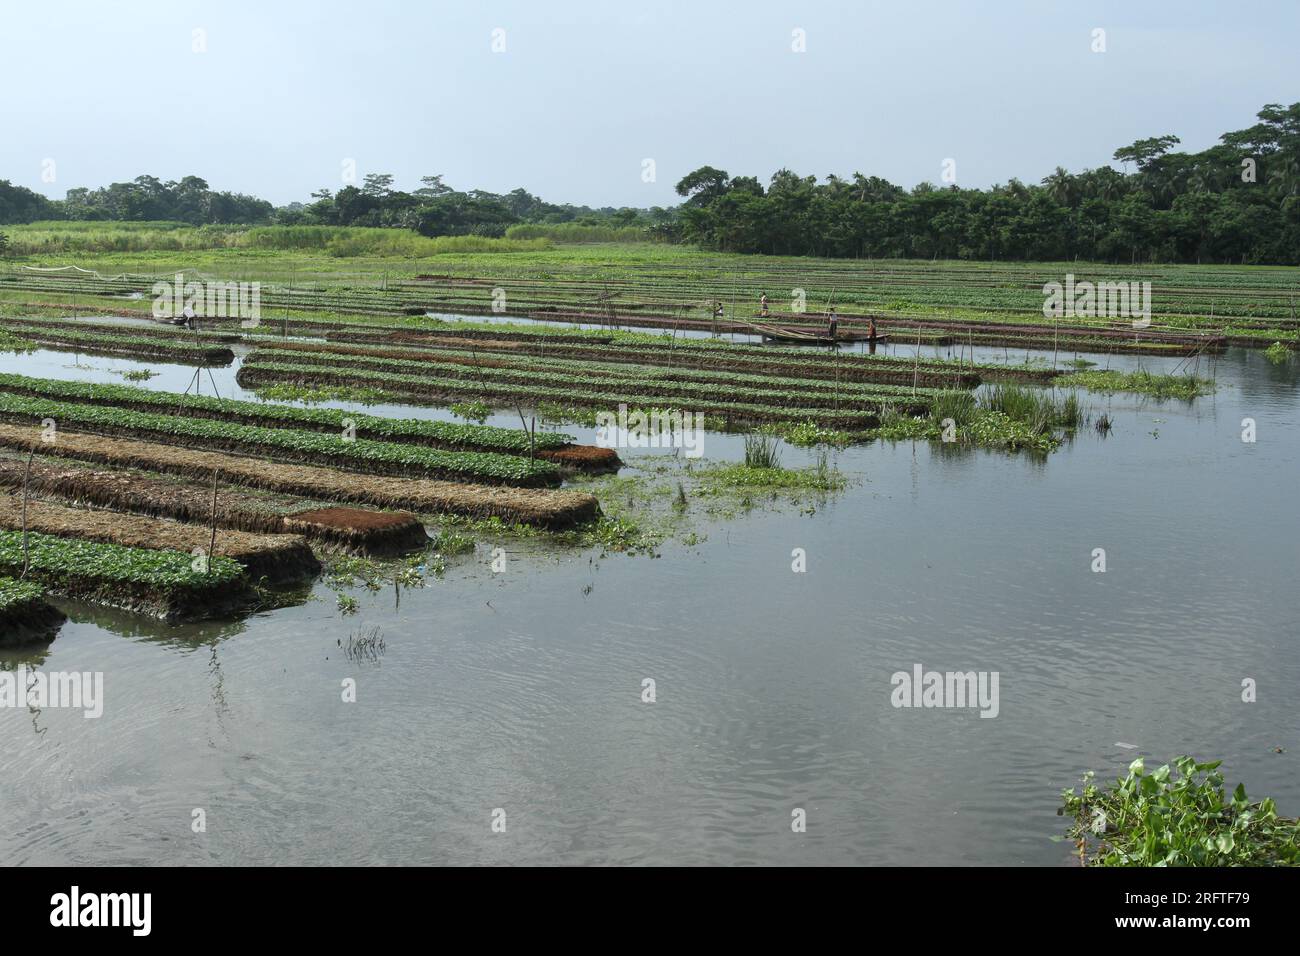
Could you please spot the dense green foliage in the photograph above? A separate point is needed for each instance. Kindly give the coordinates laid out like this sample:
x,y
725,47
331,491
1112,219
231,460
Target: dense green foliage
x,y
145,198
73,564
14,594
1183,819
1176,207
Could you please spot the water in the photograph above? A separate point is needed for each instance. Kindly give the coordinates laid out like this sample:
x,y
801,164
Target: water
x,y
522,690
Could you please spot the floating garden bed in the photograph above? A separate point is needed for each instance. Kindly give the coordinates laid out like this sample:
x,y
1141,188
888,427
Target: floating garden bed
x,y
163,584
416,388
433,434
139,493
166,334
273,557
735,406
541,507
359,455
591,376
126,344
416,361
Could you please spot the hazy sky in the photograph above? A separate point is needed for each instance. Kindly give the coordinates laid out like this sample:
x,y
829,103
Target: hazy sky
x,y
584,92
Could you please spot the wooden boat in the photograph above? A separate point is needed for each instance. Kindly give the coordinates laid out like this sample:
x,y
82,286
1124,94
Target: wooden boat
x,y
774,333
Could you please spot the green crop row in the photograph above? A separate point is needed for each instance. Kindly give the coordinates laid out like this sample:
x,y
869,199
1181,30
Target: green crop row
x,y
72,564
166,334
358,454
532,365
91,341
400,430
574,394
595,376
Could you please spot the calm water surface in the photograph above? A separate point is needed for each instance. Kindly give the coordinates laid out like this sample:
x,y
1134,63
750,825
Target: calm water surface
x,y
522,690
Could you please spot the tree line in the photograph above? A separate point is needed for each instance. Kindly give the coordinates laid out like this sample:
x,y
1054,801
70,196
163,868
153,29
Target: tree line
x,y
1238,201
434,209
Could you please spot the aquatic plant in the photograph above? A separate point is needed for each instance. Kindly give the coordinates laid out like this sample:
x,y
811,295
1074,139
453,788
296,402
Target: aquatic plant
x,y
762,451
1142,382
1277,353
471,411
1179,816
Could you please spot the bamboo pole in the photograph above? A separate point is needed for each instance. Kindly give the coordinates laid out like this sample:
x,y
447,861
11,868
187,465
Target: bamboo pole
x,y
212,542
916,365
27,474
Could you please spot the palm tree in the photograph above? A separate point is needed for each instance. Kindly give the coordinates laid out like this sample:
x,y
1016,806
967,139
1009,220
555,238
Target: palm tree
x,y
1060,186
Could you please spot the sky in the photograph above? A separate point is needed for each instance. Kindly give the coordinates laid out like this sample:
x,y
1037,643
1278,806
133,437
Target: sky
x,y
610,103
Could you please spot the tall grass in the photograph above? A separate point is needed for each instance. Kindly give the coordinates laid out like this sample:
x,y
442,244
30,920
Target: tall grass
x,y
762,451
567,232
358,241
1033,407
60,238
56,238
958,405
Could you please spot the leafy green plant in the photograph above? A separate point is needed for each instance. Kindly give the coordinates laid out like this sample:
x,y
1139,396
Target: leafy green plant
x,y
471,411
1277,353
809,434
449,542
1179,816
15,594
168,583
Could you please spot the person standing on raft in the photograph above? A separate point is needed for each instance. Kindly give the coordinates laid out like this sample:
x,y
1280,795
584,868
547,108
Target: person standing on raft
x,y
871,329
832,323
